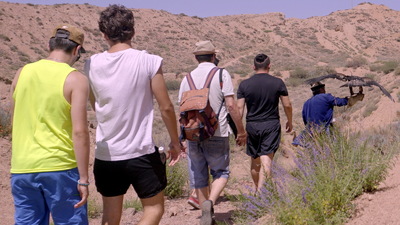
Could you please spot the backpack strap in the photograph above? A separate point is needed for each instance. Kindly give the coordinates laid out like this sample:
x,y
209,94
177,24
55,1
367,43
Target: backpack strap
x,y
210,77
190,82
221,85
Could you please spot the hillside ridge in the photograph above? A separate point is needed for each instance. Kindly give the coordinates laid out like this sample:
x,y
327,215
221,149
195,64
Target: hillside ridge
x,y
367,30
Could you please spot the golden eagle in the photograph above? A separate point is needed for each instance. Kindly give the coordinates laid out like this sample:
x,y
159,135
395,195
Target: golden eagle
x,y
351,81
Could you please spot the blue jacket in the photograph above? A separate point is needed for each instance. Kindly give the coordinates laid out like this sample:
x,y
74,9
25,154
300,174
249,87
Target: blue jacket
x,y
318,110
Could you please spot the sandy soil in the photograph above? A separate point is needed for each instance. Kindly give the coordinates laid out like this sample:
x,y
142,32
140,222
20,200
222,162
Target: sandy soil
x,y
382,206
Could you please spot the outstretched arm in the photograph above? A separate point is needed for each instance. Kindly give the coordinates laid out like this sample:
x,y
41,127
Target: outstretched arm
x,y
167,113
287,107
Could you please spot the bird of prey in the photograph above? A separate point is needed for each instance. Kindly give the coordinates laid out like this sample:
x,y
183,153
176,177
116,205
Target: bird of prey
x,y
352,81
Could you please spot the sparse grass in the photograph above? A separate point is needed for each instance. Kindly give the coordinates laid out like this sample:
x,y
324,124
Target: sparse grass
x,y
173,85
298,75
397,71
13,48
278,74
5,121
24,59
329,174
369,109
4,38
94,209
134,203
370,75
384,66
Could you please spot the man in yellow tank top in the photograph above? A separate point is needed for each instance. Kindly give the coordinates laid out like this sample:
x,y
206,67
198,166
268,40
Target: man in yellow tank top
x,y
50,138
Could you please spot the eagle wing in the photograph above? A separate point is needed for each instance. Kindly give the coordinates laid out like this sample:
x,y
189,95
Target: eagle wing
x,y
338,76
365,81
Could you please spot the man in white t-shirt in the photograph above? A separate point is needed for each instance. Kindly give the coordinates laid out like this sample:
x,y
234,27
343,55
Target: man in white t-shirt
x,y
212,153
123,82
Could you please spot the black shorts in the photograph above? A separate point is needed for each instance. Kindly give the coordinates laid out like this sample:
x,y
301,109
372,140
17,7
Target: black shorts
x,y
146,174
263,138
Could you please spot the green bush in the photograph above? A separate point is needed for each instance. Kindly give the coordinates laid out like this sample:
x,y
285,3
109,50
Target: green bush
x,y
299,73
177,179
356,62
297,77
330,172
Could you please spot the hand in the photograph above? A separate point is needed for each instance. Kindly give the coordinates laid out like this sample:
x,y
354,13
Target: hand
x,y
175,149
354,99
84,193
289,127
241,139
183,146
183,149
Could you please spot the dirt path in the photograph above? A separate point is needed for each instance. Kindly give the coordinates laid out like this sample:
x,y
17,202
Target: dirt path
x,y
382,206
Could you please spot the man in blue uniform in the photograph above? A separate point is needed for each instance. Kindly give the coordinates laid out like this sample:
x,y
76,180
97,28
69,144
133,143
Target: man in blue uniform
x,y
318,110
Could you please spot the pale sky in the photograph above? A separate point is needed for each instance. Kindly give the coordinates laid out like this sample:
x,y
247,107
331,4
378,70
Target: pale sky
x,y
205,8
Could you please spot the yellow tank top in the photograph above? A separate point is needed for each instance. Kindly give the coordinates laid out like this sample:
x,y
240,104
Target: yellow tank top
x,y
42,126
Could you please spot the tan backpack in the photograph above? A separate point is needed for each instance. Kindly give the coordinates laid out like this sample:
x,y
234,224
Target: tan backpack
x,y
198,120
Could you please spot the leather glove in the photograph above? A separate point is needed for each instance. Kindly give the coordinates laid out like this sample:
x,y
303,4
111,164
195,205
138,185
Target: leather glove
x,y
353,99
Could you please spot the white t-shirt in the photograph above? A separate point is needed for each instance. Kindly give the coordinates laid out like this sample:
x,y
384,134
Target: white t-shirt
x,y
120,82
216,95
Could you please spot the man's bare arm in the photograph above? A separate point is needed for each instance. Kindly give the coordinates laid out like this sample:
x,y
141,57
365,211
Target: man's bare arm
x,y
167,113
235,114
287,107
240,105
78,85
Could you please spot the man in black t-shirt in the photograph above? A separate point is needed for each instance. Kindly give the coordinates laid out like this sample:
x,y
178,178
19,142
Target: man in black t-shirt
x,y
261,93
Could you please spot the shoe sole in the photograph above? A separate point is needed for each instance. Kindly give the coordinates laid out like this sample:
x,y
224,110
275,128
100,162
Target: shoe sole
x,y
193,204
206,215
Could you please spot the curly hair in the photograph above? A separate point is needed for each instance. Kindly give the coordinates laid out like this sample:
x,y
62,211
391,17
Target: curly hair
x,y
117,22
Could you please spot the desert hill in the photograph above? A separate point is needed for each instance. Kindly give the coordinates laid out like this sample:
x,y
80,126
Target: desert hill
x,y
367,30
363,41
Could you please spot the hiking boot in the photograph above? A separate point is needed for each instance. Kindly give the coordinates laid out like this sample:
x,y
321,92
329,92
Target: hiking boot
x,y
193,201
207,213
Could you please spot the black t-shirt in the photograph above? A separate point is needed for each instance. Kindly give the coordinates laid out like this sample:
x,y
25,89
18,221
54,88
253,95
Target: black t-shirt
x,y
261,93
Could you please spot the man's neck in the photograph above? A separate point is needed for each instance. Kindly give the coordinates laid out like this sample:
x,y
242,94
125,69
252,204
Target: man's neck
x,y
60,56
262,71
120,46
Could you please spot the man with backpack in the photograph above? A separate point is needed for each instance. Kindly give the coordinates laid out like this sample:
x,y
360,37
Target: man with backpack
x,y
208,144
261,94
